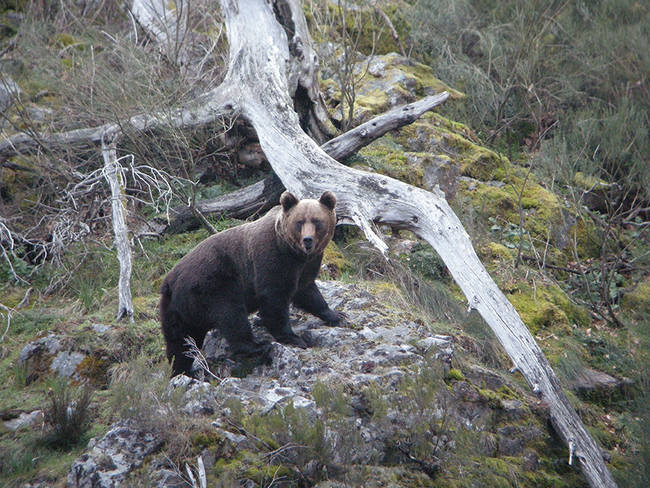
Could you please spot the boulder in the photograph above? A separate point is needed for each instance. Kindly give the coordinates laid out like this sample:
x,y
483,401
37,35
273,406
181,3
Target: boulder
x,y
109,461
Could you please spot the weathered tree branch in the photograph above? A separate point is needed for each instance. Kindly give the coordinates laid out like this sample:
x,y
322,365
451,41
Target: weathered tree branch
x,y
261,196
210,107
349,143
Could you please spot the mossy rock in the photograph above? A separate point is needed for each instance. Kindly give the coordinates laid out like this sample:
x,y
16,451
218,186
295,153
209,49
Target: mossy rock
x,y
440,135
542,211
95,370
386,157
589,239
497,251
361,23
384,82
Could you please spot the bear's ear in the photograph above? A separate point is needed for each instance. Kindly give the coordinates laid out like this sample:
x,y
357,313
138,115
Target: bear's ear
x,y
287,200
328,199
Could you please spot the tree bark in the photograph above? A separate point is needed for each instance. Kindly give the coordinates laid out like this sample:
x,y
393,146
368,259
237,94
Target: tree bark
x,y
260,90
166,23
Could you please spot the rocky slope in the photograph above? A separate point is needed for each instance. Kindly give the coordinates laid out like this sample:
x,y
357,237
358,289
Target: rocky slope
x,y
378,399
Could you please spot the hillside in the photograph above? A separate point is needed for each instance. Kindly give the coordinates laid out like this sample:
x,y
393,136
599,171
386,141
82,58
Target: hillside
x,y
414,389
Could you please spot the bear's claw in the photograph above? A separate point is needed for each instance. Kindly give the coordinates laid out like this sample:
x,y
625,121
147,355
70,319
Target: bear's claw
x,y
334,318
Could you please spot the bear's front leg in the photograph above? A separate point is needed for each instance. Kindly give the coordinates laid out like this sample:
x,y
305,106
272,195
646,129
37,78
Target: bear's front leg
x,y
310,300
274,316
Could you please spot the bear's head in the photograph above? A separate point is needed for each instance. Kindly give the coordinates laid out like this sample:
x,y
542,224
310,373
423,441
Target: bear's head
x,y
307,225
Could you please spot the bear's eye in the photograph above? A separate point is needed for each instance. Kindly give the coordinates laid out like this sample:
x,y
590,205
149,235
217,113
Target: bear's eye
x,y
299,224
317,224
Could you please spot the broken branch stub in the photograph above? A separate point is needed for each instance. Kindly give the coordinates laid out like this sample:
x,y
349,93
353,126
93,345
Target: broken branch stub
x,y
257,76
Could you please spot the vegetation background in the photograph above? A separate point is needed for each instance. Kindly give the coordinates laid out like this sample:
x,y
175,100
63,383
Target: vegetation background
x,y
557,89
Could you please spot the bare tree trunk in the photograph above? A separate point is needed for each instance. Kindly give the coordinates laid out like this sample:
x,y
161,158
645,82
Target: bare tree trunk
x,y
113,177
260,90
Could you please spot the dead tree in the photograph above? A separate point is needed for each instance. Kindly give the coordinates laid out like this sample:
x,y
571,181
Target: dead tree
x,y
271,84
113,177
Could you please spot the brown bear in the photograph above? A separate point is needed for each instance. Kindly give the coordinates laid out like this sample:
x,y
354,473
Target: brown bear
x,y
263,265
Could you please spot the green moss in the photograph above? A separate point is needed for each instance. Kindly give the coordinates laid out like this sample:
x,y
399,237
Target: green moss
x,y
95,369
436,133
427,81
547,307
334,260
538,313
65,40
498,251
455,374
588,239
475,161
542,212
206,439
590,183
637,301
375,100
575,313
386,157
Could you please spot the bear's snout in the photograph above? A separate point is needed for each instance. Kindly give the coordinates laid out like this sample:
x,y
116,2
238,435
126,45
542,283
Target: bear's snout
x,y
308,242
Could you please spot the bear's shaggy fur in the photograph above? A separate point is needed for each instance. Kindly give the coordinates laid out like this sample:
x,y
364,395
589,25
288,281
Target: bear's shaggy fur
x,y
263,265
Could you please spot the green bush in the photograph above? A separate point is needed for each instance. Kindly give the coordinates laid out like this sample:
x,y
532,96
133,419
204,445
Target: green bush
x,y
567,77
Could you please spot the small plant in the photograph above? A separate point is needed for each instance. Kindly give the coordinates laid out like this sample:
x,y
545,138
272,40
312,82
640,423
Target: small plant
x,y
68,415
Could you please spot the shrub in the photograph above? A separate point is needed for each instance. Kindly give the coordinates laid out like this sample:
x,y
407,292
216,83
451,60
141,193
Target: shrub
x,y
68,415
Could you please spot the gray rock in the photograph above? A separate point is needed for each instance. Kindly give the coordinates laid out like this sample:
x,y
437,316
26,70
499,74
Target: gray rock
x,y
36,357
100,328
199,396
514,409
65,363
50,345
24,420
590,381
9,92
284,361
166,478
441,171
114,456
509,446
366,363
